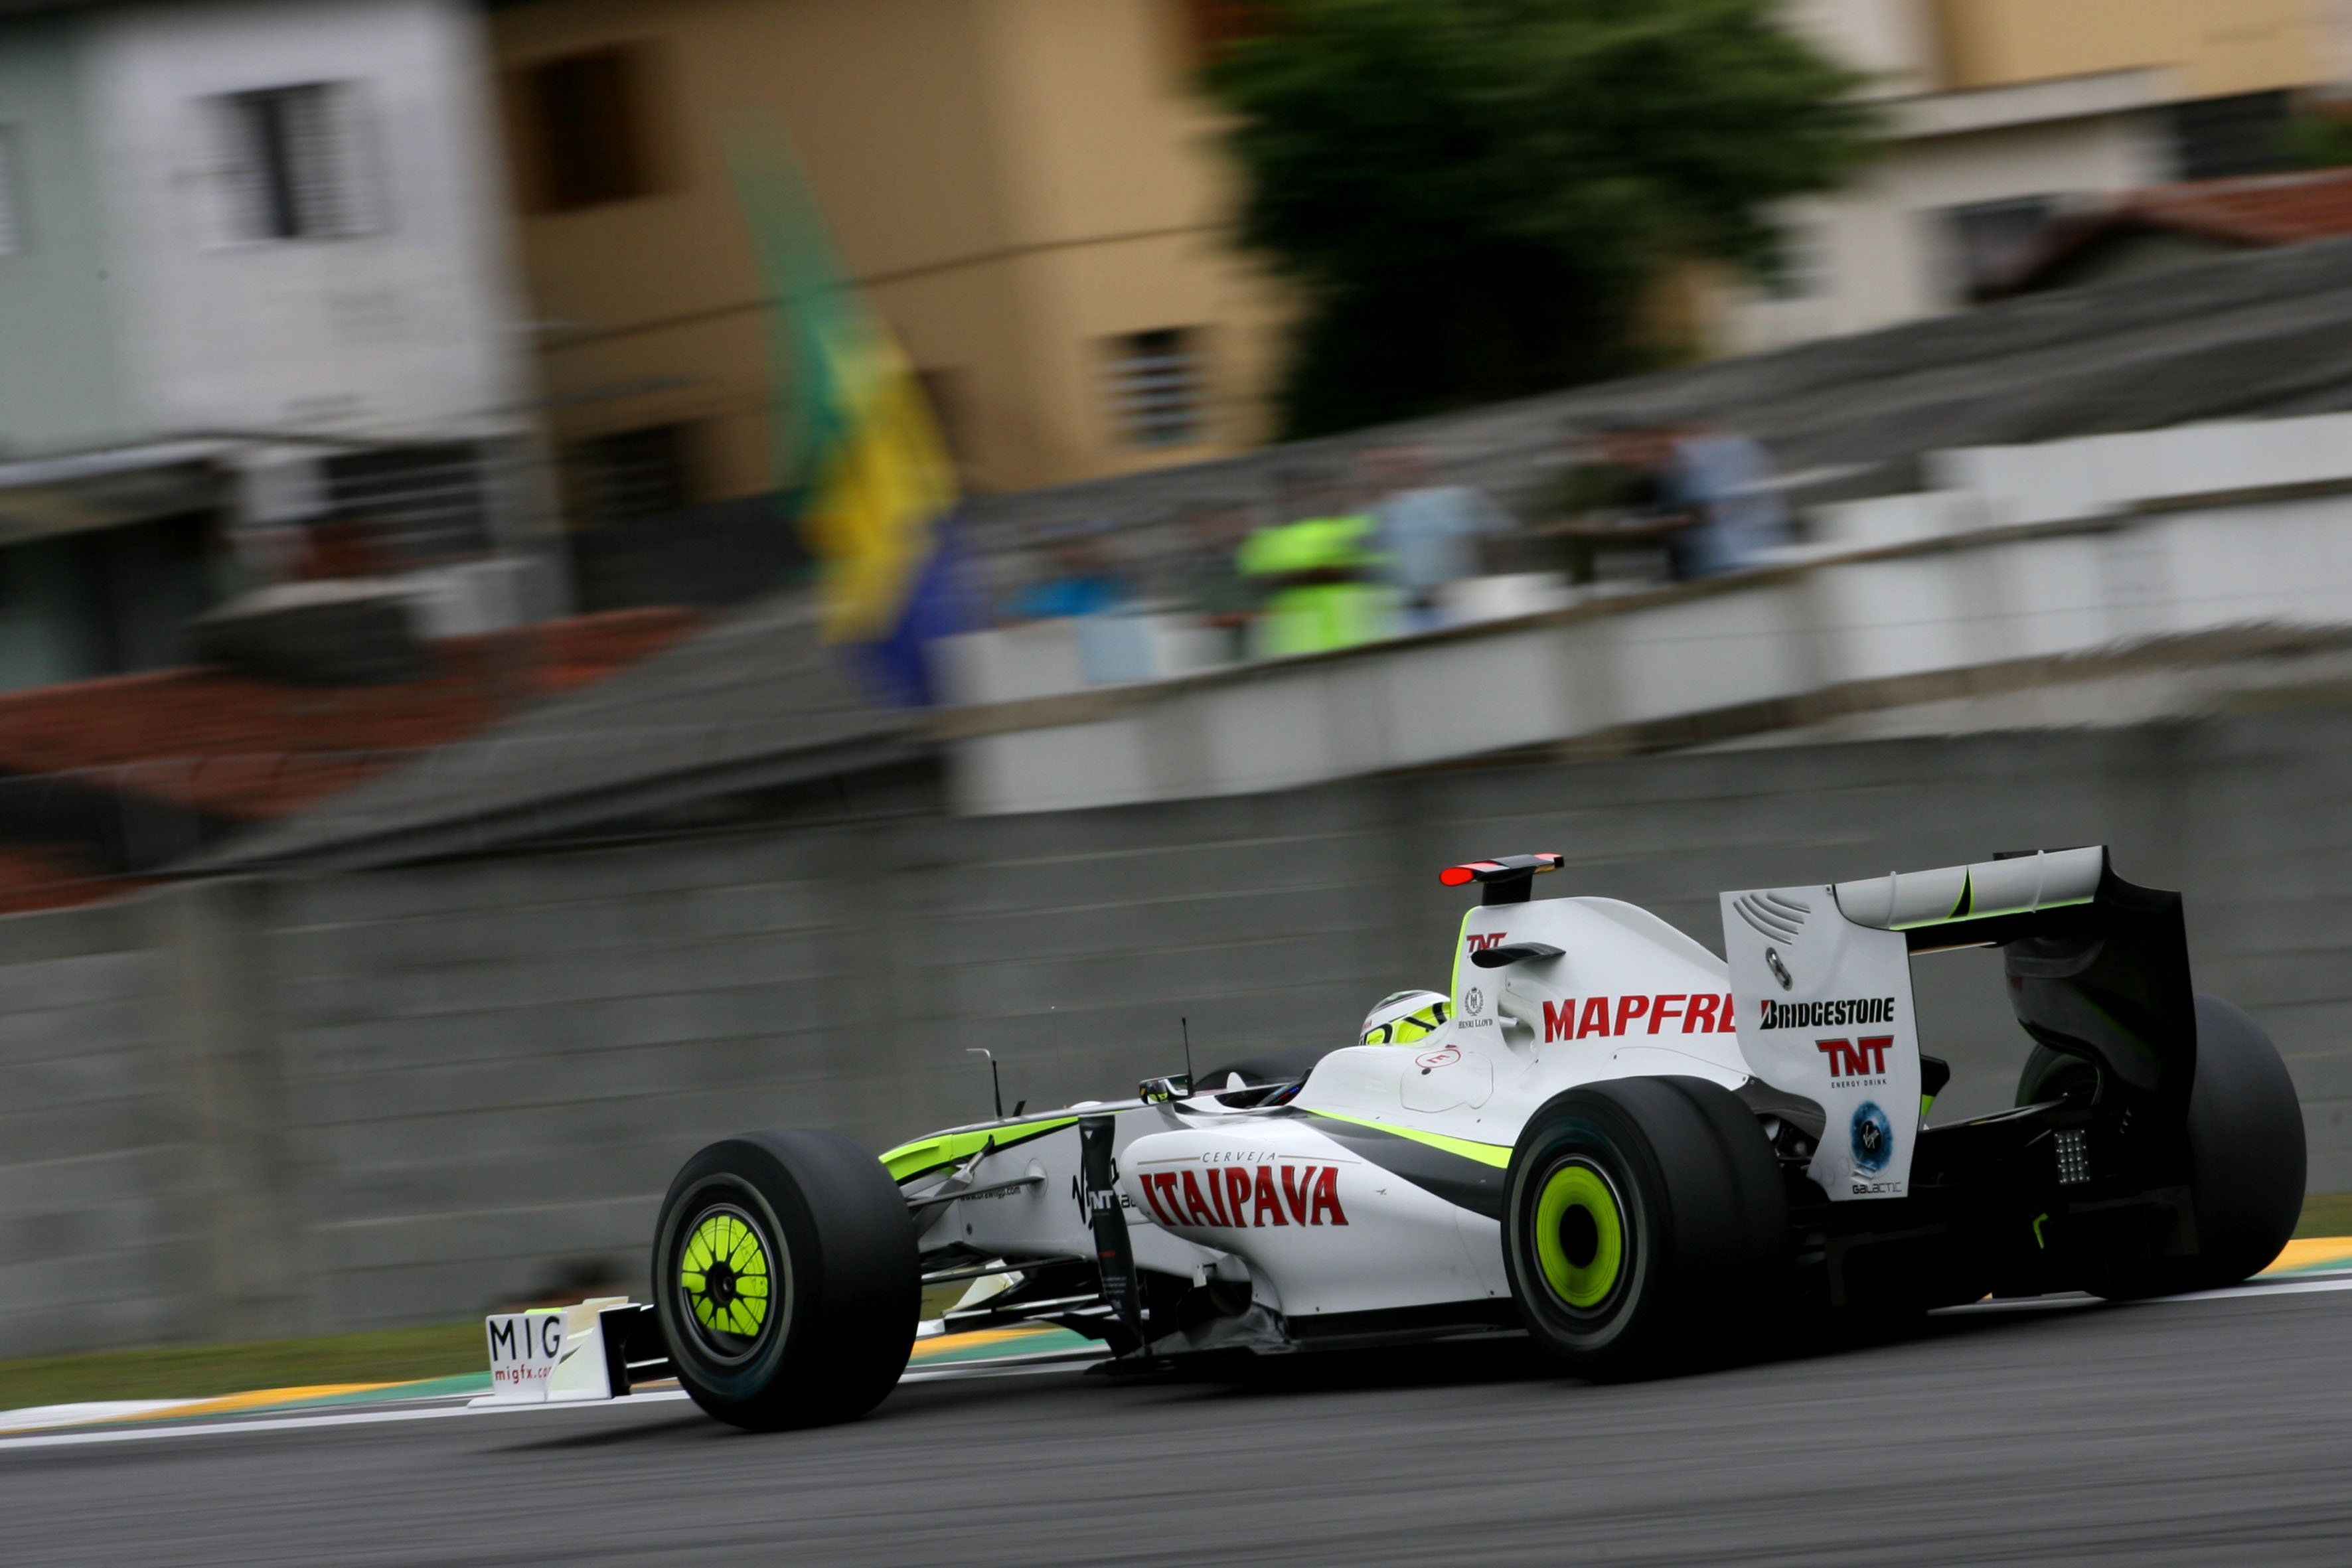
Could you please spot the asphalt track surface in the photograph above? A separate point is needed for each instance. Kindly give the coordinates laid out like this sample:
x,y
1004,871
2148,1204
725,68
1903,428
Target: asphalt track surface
x,y
2204,1431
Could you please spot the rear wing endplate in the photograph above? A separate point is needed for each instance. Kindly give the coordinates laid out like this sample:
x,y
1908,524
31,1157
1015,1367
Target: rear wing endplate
x,y
1821,976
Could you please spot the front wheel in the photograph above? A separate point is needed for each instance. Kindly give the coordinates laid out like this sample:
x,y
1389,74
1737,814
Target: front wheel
x,y
786,1279
1646,1226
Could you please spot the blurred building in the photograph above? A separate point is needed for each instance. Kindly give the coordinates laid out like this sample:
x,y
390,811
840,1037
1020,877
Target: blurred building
x,y
2005,116
1028,192
257,323
2167,226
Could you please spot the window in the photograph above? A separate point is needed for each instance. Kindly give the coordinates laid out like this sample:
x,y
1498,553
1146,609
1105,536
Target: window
x,y
408,506
2216,138
1799,267
1155,387
296,163
12,216
633,474
589,125
1987,240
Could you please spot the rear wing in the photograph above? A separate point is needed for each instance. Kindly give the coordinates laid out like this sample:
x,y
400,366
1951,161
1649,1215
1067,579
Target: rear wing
x,y
1821,980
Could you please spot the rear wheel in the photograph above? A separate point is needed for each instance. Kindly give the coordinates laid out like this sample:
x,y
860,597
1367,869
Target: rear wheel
x,y
1646,1226
2246,1159
786,1280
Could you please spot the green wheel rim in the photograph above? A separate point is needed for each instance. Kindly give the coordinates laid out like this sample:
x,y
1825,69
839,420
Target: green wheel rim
x,y
722,1272
1577,1194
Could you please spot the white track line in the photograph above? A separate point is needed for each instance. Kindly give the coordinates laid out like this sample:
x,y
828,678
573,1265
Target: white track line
x,y
998,1366
1003,1366
2289,1286
338,1418
2286,1284
34,1417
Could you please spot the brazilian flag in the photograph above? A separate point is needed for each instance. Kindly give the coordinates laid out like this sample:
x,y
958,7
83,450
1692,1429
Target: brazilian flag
x,y
877,492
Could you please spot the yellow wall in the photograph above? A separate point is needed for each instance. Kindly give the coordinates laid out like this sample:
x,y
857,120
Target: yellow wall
x,y
1014,180
2218,46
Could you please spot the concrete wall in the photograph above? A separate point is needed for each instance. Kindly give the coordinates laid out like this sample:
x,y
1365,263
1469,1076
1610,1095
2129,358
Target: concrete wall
x,y
403,1096
142,1197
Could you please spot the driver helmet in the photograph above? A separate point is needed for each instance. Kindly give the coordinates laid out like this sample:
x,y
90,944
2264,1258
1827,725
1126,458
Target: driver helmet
x,y
1406,1016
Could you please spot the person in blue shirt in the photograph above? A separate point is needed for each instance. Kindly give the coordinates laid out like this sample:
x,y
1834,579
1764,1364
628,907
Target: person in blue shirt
x,y
1080,581
1428,531
1725,483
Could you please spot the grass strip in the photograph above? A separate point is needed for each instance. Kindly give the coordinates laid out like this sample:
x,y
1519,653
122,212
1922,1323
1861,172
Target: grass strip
x,y
2325,1214
208,1372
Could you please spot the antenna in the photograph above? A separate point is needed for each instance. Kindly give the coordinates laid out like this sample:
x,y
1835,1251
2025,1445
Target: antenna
x,y
1186,1025
994,1081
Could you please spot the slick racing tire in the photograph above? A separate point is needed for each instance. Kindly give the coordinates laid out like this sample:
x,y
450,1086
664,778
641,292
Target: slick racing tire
x,y
786,1280
2245,1158
1646,1228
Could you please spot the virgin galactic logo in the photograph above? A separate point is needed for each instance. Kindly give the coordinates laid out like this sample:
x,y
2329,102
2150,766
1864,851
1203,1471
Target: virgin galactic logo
x,y
1874,1137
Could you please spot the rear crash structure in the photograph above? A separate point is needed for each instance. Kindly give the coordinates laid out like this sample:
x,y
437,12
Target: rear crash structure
x,y
1641,1154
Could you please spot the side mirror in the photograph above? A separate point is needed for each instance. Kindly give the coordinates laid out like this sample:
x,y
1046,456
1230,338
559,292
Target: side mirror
x,y
1496,957
1175,1085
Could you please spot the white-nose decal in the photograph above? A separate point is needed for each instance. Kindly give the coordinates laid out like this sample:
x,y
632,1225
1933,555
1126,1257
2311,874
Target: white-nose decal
x,y
1245,1197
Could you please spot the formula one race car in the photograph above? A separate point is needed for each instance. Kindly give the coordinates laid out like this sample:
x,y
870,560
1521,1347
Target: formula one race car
x,y
1640,1154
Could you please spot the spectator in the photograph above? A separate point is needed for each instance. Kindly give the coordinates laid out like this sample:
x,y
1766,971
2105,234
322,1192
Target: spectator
x,y
1428,532
1724,483
1081,580
1612,472
1206,574
1609,499
1319,576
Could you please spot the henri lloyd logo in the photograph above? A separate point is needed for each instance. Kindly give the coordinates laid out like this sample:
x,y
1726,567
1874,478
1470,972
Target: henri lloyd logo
x,y
1242,1196
1828,1015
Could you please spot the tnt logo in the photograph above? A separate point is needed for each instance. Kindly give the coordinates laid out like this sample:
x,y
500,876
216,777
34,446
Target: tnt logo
x,y
1481,943
1240,1196
1865,1057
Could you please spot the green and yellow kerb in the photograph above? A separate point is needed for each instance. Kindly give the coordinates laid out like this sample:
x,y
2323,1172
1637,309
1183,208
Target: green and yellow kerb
x,y
1580,1235
723,1273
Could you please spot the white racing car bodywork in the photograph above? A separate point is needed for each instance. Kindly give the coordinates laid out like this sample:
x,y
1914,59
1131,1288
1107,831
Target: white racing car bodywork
x,y
1379,1184
1601,1134
1407,1145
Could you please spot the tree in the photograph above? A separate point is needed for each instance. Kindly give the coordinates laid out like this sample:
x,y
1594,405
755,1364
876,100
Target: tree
x,y
1474,197
2321,140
